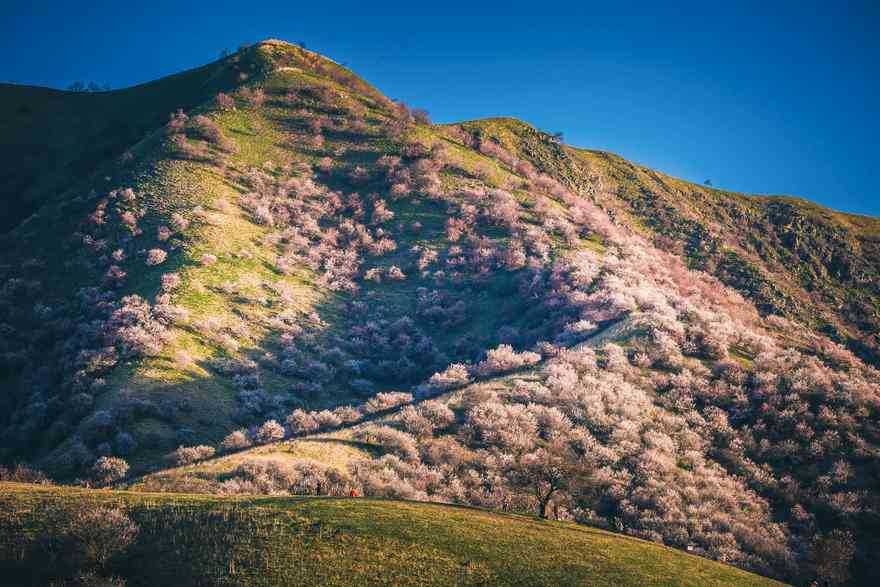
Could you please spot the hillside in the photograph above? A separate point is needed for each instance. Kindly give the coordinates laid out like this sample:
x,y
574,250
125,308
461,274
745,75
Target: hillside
x,y
60,138
791,257
284,283
296,541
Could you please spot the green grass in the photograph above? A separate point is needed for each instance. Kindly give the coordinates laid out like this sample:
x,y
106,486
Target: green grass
x,y
202,540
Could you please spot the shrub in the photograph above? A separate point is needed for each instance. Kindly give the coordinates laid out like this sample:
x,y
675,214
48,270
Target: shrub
x,y
302,422
325,164
347,414
414,151
421,116
236,440
114,276
381,213
184,149
96,534
454,375
328,419
255,98
456,228
414,423
436,412
109,469
423,419
225,101
130,221
504,358
205,128
23,474
170,281
187,455
386,401
359,175
179,222
395,274
270,431
493,423
374,274
135,329
177,121
156,257
496,151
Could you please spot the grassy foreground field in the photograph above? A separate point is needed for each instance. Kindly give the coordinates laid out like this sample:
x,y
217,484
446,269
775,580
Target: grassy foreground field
x,y
202,540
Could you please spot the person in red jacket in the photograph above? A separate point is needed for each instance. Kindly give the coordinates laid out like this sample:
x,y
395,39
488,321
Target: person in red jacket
x,y
353,493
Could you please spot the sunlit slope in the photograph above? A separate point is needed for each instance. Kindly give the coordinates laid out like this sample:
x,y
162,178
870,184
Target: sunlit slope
x,y
300,541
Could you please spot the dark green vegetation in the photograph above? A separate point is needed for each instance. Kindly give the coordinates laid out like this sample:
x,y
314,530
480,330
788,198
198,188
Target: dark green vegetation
x,y
330,294
198,540
60,138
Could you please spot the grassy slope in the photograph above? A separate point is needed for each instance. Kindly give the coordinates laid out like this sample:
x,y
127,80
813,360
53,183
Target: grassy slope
x,y
331,541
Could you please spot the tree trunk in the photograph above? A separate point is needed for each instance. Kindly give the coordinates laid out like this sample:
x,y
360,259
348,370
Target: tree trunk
x,y
543,501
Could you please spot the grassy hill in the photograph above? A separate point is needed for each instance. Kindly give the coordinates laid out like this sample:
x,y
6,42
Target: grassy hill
x,y
318,283
325,541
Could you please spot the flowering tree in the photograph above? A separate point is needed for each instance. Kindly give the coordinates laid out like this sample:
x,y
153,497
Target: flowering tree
x,y
109,469
269,431
95,534
225,101
547,472
156,257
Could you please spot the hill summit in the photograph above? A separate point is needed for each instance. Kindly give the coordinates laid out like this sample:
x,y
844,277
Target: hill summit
x,y
264,276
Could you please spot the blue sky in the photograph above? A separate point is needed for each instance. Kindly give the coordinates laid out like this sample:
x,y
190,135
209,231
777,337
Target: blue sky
x,y
763,97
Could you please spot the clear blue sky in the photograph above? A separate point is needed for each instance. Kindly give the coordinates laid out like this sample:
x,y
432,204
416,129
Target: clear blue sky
x,y
766,97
